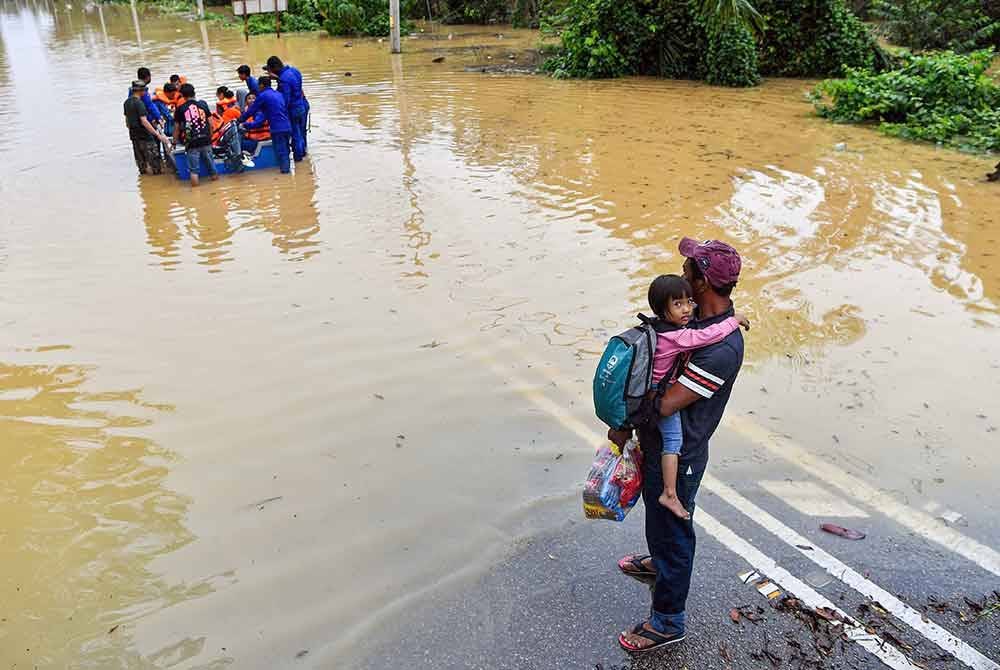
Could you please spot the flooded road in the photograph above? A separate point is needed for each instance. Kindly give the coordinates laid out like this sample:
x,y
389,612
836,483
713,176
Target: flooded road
x,y
256,419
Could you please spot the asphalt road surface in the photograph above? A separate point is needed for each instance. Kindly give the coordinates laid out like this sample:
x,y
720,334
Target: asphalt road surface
x,y
911,590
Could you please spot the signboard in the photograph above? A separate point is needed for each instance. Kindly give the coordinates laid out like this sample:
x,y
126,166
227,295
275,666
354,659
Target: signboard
x,y
259,6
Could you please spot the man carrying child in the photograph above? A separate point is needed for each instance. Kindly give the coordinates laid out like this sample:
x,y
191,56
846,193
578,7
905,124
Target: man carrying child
x,y
700,395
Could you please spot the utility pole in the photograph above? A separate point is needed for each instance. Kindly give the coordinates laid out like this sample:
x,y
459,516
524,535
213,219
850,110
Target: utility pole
x,y
394,26
201,9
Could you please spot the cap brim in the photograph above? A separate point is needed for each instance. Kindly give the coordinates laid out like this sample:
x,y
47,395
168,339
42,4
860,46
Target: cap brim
x,y
687,247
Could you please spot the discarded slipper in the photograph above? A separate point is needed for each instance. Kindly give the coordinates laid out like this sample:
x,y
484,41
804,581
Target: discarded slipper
x,y
632,566
846,533
659,640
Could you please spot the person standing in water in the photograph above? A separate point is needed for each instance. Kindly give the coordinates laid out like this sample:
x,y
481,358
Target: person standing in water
x,y
270,107
290,86
193,126
145,137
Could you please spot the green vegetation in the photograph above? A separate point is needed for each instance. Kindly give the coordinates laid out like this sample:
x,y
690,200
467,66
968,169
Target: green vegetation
x,y
946,98
361,17
728,42
959,25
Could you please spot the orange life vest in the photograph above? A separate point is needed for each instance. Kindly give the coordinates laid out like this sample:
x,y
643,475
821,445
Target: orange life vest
x,y
258,134
170,101
230,114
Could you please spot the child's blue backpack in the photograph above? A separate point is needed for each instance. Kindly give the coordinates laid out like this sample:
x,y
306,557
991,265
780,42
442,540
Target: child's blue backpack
x,y
625,375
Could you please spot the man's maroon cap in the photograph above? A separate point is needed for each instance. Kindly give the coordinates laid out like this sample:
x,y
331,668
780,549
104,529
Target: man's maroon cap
x,y
718,261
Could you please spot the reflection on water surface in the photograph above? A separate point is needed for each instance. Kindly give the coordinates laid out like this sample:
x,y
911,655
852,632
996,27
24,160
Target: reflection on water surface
x,y
365,345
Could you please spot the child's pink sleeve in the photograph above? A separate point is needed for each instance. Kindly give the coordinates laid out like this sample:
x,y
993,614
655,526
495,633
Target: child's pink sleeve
x,y
688,339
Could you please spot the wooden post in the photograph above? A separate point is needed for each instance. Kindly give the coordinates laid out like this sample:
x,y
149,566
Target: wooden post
x,y
394,26
277,20
246,24
201,9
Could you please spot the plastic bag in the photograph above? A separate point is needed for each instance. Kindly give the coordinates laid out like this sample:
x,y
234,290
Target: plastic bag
x,y
614,483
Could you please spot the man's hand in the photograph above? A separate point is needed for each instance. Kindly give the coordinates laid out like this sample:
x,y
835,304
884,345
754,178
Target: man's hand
x,y
744,321
619,437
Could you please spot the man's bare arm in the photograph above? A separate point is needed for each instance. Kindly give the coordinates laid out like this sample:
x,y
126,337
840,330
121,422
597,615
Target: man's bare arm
x,y
677,398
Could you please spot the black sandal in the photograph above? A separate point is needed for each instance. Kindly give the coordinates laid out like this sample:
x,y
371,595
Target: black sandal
x,y
659,640
631,566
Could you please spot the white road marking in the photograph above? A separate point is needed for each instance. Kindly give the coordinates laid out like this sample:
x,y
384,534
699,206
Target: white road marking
x,y
839,570
918,522
873,644
811,499
925,525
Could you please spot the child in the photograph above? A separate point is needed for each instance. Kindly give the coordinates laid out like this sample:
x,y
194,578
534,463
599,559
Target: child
x,y
250,138
670,299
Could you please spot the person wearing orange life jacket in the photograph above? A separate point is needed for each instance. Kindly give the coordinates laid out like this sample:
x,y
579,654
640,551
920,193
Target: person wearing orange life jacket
x,y
252,136
178,81
226,111
169,96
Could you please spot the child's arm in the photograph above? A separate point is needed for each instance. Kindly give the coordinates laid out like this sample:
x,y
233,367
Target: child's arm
x,y
689,339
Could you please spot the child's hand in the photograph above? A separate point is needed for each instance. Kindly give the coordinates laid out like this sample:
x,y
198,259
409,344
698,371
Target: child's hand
x,y
744,321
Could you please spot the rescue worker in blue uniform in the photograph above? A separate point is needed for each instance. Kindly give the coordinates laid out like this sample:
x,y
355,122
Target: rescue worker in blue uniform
x,y
290,86
270,107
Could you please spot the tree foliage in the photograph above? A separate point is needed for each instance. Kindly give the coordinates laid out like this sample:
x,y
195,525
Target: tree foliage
x,y
945,97
728,42
959,25
358,17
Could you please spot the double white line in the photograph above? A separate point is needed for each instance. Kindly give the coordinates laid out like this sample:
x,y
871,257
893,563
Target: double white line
x,y
916,521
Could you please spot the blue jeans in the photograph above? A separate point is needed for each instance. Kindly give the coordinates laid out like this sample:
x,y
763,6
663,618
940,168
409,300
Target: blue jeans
x,y
298,116
280,142
671,432
201,155
670,539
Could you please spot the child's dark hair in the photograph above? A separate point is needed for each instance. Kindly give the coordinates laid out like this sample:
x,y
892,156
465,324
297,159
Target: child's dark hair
x,y
666,288
169,88
224,92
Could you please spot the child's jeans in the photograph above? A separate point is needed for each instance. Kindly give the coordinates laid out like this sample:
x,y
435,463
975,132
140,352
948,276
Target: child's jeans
x,y
672,433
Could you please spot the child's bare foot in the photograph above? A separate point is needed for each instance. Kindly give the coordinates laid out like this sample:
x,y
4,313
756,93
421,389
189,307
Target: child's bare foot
x,y
672,503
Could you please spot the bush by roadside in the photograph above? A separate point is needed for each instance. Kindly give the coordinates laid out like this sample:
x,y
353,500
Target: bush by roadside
x,y
946,98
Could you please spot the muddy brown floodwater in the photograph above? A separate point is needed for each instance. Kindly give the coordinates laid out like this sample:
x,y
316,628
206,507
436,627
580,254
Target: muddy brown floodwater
x,y
245,422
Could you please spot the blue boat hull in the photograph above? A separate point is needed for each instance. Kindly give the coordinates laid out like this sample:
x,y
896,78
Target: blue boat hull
x,y
262,158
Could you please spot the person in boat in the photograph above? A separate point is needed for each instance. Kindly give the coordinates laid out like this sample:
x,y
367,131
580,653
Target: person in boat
x,y
166,100
193,126
251,137
269,107
226,105
178,81
290,86
146,138
169,96
243,72
225,136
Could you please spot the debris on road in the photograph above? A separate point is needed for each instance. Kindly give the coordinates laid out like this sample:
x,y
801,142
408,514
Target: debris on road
x,y
748,612
846,533
768,589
